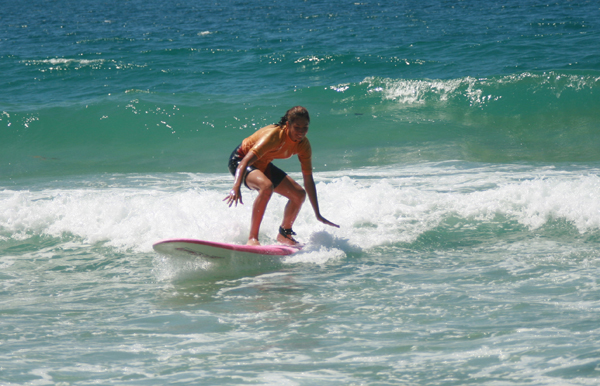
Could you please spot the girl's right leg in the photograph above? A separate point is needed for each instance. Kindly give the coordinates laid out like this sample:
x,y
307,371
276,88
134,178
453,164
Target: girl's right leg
x,y
256,180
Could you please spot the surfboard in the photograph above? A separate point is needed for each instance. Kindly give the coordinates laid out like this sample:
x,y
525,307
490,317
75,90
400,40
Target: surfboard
x,y
211,250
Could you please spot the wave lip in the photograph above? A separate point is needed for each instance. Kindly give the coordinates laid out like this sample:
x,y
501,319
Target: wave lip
x,y
479,91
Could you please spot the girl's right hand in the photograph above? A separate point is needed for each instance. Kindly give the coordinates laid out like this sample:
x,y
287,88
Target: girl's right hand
x,y
234,195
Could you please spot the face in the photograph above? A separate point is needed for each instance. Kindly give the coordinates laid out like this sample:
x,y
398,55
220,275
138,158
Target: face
x,y
297,129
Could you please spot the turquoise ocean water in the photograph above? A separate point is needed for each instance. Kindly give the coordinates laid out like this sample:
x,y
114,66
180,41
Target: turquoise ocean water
x,y
457,143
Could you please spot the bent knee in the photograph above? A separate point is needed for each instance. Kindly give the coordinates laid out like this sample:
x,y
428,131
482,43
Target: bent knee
x,y
266,188
300,196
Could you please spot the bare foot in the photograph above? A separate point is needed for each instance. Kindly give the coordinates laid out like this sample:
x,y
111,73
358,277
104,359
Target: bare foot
x,y
286,241
253,242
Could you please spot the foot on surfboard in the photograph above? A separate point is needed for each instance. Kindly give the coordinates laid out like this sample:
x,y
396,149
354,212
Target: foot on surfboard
x,y
253,242
285,236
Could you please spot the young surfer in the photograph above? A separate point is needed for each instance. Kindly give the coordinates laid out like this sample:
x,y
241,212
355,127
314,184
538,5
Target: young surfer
x,y
250,163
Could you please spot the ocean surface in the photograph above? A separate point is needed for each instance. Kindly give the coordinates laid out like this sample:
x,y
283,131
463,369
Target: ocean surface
x,y
457,144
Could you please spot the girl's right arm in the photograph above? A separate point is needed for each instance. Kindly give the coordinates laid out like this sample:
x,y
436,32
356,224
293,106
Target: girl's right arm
x,y
235,194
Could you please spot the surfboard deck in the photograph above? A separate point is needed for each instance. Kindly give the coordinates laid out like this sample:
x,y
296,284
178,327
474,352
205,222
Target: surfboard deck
x,y
211,250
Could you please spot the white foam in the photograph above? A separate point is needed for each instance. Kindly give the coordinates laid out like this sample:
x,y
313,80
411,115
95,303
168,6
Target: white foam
x,y
374,207
419,91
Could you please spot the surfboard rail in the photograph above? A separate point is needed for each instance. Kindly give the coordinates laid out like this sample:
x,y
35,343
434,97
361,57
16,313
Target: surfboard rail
x,y
217,250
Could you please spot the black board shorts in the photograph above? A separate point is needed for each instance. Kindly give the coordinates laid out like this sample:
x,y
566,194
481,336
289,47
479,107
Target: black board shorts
x,y
272,172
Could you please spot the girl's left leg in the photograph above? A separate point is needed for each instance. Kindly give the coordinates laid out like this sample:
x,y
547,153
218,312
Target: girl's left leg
x,y
296,196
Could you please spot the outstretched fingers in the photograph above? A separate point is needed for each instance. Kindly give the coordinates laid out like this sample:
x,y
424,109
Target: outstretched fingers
x,y
233,197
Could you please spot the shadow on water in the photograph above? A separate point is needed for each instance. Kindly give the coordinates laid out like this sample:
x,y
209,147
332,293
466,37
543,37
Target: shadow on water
x,y
321,248
194,281
181,270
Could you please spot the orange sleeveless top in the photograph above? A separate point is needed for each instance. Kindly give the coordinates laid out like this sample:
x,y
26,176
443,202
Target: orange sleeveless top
x,y
272,142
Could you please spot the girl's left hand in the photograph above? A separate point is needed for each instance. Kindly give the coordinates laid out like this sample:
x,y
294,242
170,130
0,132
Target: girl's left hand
x,y
325,221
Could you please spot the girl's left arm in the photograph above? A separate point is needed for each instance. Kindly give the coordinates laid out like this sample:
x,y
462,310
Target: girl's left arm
x,y
311,190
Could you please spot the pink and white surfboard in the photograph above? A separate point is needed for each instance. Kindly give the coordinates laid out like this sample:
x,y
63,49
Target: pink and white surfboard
x,y
214,250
